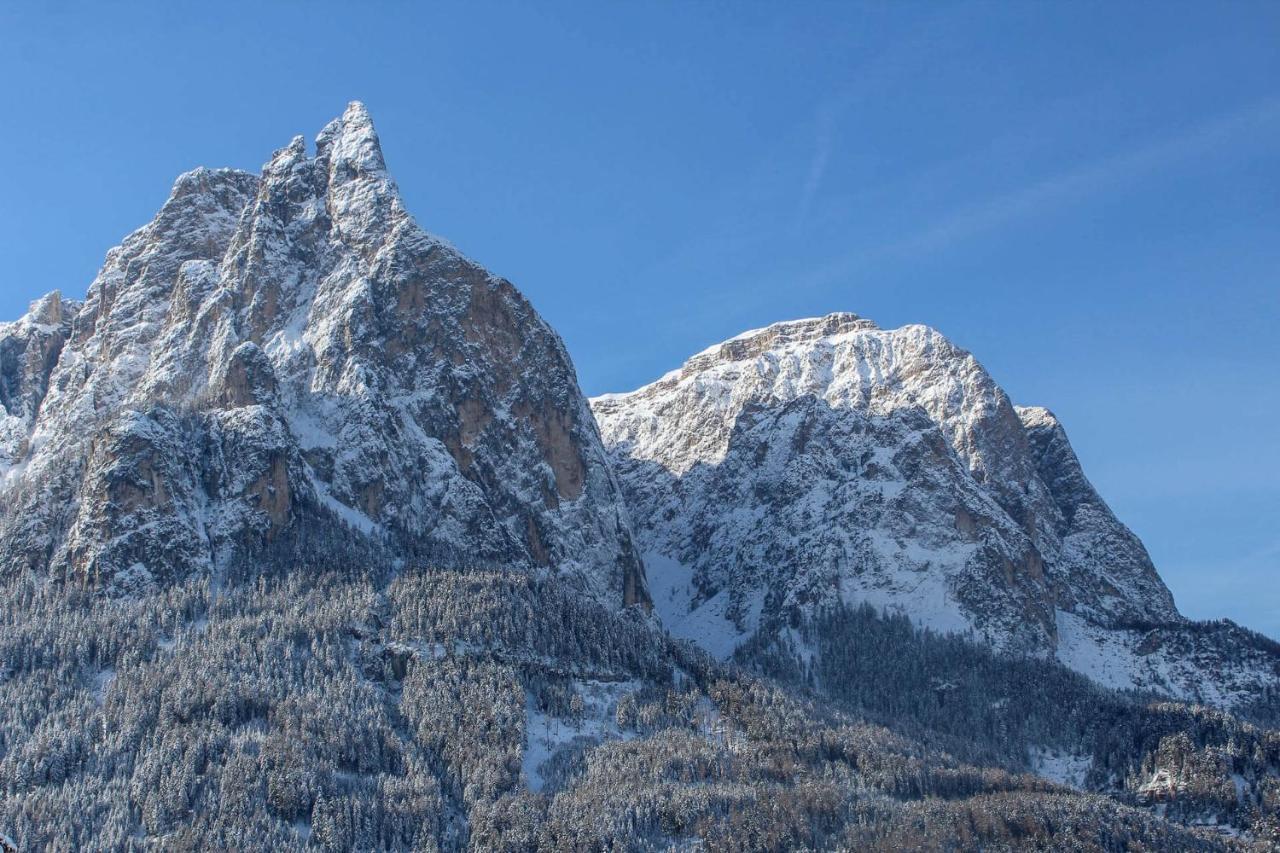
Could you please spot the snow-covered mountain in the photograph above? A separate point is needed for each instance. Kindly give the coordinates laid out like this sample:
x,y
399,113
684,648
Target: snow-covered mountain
x,y
287,364
829,461
356,563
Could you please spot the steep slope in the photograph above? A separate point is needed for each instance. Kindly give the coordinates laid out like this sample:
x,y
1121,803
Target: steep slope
x,y
29,350
287,365
828,461
281,388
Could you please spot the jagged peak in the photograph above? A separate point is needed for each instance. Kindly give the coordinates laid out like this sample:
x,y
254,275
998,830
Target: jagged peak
x,y
350,144
46,313
50,309
282,159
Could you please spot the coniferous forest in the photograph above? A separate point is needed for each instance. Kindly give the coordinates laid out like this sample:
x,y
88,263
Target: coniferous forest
x,y
446,710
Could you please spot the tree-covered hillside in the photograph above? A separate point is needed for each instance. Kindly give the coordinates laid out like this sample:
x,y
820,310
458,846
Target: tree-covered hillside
x,y
447,710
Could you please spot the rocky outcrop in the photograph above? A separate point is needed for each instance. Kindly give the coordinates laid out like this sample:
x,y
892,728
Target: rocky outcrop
x,y
830,461
1107,561
29,351
274,359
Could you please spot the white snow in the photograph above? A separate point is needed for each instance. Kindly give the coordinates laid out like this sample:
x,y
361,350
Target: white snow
x,y
1192,673
101,682
546,735
310,430
922,596
350,515
1241,786
670,586
1063,768
1104,656
828,459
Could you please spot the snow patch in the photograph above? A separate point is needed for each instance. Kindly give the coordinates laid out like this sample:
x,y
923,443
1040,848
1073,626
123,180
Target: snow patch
x,y
350,515
1104,656
546,735
1063,768
101,683
670,586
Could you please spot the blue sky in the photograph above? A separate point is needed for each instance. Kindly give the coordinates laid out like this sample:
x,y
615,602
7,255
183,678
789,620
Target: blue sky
x,y
1086,195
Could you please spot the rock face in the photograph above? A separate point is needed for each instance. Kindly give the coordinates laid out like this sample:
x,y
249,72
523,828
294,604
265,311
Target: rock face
x,y
828,460
287,366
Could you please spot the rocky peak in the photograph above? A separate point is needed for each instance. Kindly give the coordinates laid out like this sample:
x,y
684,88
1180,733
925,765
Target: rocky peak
x,y
51,310
280,360
350,145
828,460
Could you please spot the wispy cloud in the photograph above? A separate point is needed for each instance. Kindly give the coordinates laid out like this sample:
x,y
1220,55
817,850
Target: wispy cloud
x,y
1091,178
1071,185
817,168
879,75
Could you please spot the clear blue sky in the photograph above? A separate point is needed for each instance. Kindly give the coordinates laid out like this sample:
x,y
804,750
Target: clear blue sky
x,y
1087,195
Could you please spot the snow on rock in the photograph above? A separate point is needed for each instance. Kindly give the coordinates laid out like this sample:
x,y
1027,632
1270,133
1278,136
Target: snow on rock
x,y
829,460
287,365
1216,664
29,350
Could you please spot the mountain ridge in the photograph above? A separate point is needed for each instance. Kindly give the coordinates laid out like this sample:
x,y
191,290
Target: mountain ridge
x,y
826,460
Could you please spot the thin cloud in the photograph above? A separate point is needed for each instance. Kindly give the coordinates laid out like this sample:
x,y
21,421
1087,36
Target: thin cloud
x,y
1089,179
876,77
817,170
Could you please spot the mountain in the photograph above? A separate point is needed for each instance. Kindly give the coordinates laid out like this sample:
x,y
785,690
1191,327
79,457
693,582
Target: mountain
x,y
824,462
309,541
286,364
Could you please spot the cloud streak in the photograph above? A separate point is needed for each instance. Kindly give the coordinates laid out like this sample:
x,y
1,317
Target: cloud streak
x,y
1072,185
1090,178
876,77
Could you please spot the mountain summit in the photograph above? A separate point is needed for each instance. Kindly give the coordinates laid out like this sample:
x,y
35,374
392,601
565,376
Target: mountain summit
x,y
827,461
277,358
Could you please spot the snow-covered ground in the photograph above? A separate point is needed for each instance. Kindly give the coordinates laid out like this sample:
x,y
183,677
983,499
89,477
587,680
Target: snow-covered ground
x,y
670,586
546,735
1064,768
101,683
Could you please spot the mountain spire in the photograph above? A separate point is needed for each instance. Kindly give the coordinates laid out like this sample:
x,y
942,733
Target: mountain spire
x,y
275,359
350,144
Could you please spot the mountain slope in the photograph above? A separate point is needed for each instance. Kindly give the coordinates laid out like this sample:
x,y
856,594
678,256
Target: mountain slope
x,y
827,461
288,364
481,710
